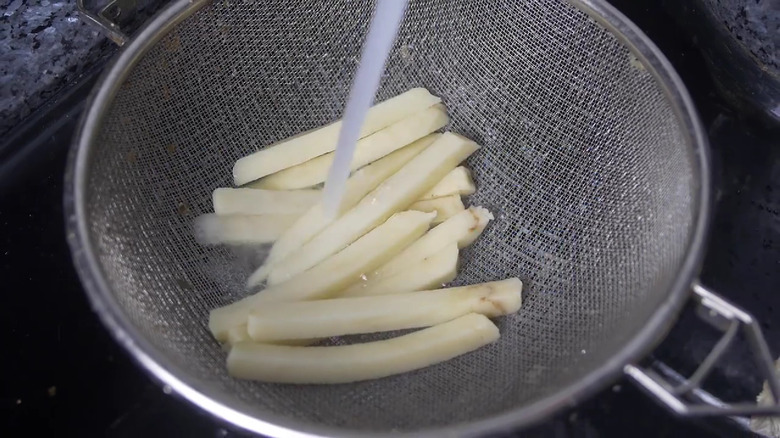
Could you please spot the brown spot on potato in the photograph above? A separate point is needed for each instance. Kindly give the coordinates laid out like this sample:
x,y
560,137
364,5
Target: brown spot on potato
x,y
476,220
487,299
497,305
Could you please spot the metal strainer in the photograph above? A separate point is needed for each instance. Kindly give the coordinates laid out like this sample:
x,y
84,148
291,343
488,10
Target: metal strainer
x,y
592,161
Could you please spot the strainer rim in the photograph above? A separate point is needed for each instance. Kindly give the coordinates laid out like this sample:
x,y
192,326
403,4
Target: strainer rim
x,y
178,381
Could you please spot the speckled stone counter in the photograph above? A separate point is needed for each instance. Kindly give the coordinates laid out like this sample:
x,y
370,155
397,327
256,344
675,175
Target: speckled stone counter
x,y
755,23
44,46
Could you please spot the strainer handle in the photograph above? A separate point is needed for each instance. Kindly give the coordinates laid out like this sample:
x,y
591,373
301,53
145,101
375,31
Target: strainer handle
x,y
686,396
105,18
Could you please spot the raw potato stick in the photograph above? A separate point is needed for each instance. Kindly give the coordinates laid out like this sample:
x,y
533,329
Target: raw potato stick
x,y
357,362
311,144
462,229
256,202
429,273
367,150
333,274
457,182
395,193
237,334
445,207
240,334
213,229
358,185
382,313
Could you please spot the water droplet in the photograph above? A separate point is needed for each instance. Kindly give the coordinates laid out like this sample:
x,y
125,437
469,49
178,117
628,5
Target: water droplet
x,y
167,389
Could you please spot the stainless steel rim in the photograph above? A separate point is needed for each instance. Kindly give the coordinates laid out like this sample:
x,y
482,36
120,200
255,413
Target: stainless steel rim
x,y
99,291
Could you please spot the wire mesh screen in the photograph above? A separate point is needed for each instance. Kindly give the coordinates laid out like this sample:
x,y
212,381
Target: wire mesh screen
x,y
583,162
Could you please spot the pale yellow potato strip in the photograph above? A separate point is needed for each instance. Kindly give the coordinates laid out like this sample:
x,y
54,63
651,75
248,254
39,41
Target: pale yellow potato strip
x,y
357,362
462,229
382,313
256,202
214,229
333,274
239,334
445,207
394,194
457,182
358,185
429,273
305,146
367,150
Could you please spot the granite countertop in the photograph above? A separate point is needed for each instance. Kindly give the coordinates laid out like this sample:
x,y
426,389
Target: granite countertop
x,y
44,47
755,23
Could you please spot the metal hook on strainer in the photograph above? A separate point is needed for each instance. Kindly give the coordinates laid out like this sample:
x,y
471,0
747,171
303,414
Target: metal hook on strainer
x,y
592,158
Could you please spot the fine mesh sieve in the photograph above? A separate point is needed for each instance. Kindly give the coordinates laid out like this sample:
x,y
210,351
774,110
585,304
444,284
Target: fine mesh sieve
x,y
591,162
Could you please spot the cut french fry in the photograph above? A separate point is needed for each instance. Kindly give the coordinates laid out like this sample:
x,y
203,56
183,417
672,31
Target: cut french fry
x,y
429,273
358,185
244,201
213,229
382,313
357,362
457,182
445,207
367,150
237,334
311,144
333,274
462,229
395,193
240,334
